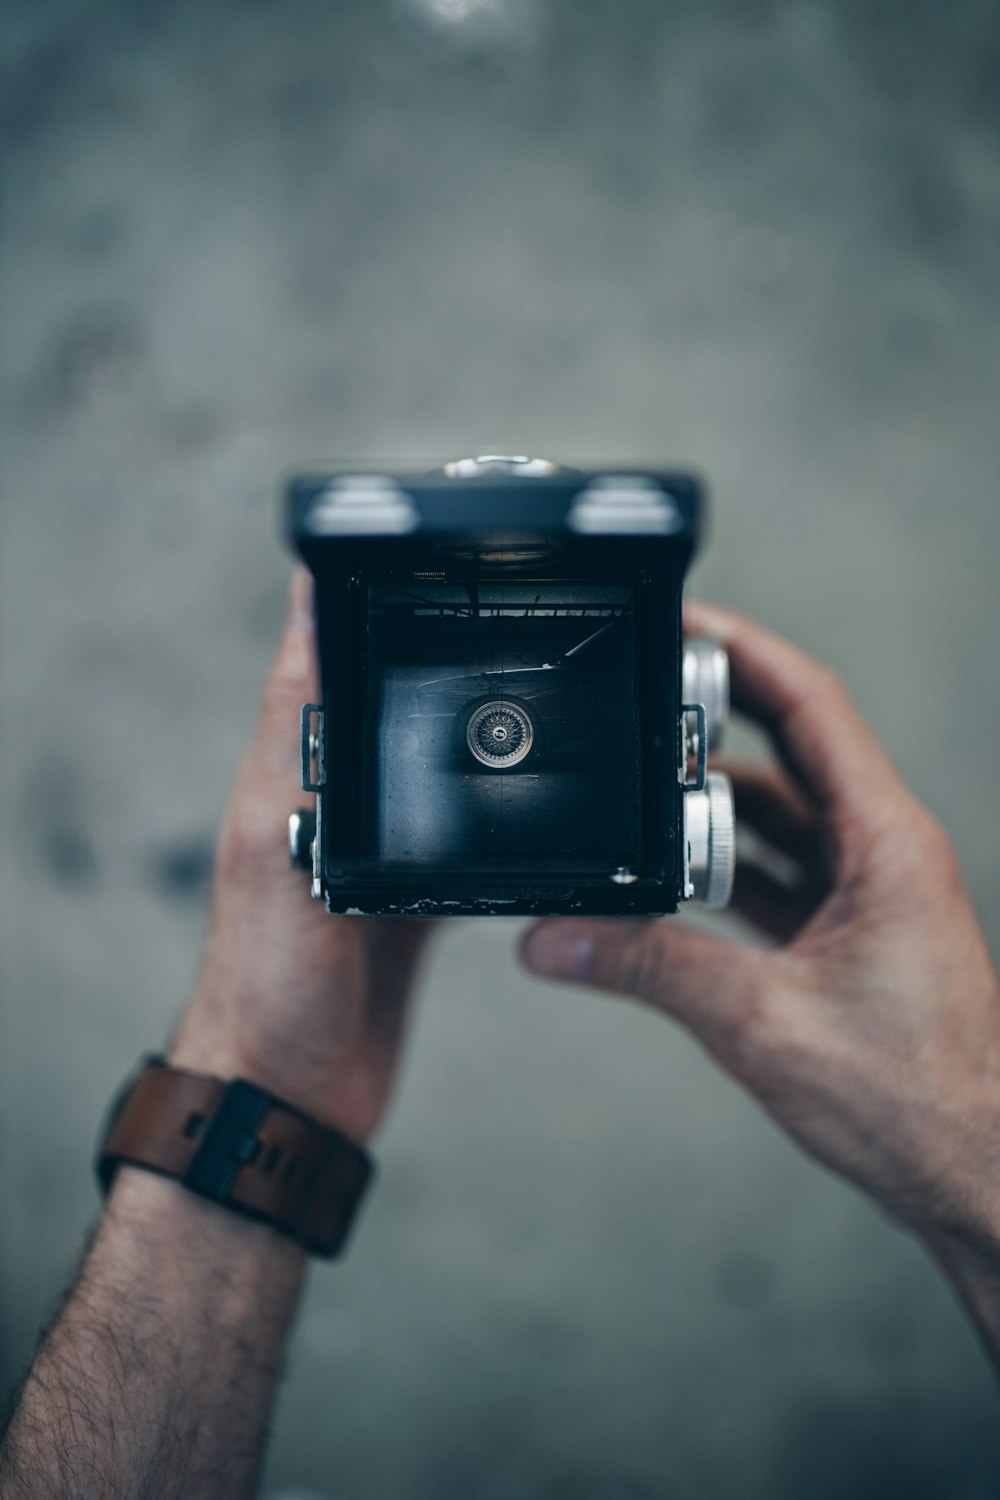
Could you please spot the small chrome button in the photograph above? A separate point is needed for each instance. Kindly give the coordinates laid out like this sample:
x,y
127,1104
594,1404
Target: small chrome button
x,y
301,832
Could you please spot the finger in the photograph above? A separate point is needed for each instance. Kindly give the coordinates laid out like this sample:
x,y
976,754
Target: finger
x,y
268,786
711,985
769,802
292,679
814,726
272,760
769,905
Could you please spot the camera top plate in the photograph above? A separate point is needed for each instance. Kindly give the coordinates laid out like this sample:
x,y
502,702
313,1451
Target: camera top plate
x,y
359,505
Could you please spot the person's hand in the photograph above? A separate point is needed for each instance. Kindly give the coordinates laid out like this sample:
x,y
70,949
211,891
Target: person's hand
x,y
310,1006
872,1031
159,1374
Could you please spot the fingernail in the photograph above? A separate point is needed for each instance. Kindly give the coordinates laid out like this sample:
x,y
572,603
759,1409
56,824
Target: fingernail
x,y
559,953
300,600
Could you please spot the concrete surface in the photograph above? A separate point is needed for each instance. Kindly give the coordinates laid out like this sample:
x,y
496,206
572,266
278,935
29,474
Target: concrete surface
x,y
760,237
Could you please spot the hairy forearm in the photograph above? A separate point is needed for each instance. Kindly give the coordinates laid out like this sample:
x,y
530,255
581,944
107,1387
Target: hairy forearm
x,y
158,1377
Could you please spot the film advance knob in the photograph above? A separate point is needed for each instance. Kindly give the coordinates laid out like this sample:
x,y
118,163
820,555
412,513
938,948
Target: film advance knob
x,y
710,822
706,681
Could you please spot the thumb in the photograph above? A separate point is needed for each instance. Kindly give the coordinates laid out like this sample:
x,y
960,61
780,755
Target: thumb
x,y
711,985
268,785
292,679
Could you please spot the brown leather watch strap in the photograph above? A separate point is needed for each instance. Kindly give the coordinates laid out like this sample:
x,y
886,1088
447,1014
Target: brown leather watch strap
x,y
241,1147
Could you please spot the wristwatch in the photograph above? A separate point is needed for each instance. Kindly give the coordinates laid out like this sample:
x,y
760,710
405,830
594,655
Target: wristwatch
x,y
241,1147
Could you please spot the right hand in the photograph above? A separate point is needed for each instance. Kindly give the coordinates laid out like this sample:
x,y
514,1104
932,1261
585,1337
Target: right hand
x,y
872,1032
313,1008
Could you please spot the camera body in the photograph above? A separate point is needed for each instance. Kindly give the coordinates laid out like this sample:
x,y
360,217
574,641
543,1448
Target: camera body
x,y
510,720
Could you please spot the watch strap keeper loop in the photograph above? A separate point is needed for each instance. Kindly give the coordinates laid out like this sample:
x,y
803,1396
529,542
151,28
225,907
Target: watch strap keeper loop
x,y
241,1147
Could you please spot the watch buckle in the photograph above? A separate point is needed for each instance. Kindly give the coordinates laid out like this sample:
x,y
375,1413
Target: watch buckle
x,y
227,1141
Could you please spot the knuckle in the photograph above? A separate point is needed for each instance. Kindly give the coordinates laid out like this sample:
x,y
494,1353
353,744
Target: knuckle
x,y
642,966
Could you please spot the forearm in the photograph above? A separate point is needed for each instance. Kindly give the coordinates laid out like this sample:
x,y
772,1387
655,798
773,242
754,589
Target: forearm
x,y
158,1377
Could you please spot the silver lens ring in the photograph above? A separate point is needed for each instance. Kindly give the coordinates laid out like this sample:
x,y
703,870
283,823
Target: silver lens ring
x,y
499,734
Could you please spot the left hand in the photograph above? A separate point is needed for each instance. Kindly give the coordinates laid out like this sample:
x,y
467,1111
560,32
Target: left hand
x,y
309,1006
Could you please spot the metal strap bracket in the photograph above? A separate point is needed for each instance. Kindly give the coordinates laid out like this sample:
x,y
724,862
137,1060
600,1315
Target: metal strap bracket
x,y
312,746
698,784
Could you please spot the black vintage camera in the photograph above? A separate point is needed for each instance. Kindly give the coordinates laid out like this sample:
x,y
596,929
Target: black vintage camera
x,y
511,721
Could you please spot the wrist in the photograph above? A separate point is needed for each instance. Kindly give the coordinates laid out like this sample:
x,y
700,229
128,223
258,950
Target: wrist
x,y
964,1239
286,1067
153,1209
239,1147
973,1249
972,1266
202,1046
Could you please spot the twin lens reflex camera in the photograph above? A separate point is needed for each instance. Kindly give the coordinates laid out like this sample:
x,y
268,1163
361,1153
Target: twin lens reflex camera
x,y
511,720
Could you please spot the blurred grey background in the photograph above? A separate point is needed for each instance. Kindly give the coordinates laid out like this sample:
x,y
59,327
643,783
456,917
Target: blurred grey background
x,y
759,236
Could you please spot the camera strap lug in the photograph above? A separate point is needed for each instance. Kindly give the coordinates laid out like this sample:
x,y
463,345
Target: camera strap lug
x,y
698,784
311,745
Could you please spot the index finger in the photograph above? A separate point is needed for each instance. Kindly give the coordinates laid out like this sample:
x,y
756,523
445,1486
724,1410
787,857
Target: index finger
x,y
807,713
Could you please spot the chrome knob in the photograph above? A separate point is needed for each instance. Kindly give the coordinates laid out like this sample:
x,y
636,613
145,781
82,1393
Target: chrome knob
x,y
710,833
301,832
706,680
